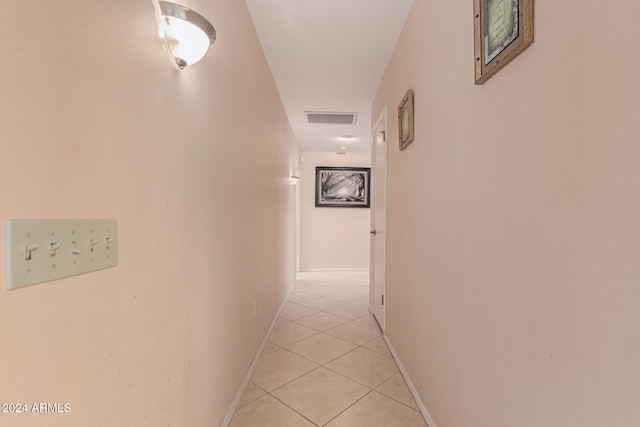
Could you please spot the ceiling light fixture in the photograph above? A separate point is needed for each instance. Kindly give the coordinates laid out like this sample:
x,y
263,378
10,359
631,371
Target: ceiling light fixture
x,y
346,137
186,33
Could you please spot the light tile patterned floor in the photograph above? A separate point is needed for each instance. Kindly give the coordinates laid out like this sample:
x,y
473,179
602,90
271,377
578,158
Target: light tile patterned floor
x,y
326,363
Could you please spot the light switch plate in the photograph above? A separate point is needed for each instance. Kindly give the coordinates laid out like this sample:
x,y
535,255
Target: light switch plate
x,y
42,250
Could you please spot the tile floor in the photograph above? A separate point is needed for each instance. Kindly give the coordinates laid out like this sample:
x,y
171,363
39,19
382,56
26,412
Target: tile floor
x,y
326,363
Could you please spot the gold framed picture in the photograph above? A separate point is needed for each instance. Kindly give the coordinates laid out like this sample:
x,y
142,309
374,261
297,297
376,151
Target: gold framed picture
x,y
503,30
405,120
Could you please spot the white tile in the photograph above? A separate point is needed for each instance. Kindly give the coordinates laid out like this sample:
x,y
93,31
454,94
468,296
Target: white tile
x,y
364,366
322,291
251,393
322,321
281,321
323,303
268,412
278,368
270,348
346,296
368,319
350,311
355,332
289,333
379,346
321,348
364,301
300,296
396,388
376,410
293,311
321,394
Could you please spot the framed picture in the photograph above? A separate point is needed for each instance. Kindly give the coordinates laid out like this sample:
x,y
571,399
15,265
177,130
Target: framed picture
x,y
503,29
340,187
405,120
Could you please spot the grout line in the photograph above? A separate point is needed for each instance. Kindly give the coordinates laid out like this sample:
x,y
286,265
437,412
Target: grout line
x,y
356,381
396,400
294,409
412,388
323,364
349,407
393,398
292,287
302,339
324,311
318,329
296,378
251,401
243,386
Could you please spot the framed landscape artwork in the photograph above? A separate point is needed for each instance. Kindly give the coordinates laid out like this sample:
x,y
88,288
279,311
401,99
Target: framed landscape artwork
x,y
342,187
503,30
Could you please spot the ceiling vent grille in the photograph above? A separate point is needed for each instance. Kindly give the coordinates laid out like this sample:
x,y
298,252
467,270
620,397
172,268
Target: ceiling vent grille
x,y
326,118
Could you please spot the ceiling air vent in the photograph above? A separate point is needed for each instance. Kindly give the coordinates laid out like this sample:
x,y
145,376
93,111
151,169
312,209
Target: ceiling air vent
x,y
325,118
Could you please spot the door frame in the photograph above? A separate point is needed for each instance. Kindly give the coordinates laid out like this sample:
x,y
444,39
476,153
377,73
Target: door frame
x,y
382,120
297,208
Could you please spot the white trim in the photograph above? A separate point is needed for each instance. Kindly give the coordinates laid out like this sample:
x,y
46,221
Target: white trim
x,y
297,196
382,118
423,409
245,382
324,270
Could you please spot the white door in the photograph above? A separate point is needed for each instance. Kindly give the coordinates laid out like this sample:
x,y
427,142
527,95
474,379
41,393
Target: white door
x,y
379,218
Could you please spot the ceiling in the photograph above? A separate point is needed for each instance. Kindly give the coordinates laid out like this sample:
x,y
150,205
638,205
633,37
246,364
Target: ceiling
x,y
328,56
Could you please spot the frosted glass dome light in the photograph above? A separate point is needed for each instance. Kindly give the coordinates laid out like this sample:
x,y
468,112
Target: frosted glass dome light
x,y
186,33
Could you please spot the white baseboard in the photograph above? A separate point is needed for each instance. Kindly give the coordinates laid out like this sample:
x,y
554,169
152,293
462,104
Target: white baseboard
x,y
247,377
425,413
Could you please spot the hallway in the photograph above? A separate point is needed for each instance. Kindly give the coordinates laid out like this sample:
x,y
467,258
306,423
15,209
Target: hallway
x,y
326,363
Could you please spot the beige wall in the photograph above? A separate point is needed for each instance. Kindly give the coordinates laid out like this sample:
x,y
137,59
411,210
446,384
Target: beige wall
x,y
95,122
513,230
331,238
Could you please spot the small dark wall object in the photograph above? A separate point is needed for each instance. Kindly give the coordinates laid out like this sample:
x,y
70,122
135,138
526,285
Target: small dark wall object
x,y
406,128
342,187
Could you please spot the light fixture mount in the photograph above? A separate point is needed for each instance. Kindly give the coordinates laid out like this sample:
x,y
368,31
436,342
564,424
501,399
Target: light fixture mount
x,y
181,63
187,34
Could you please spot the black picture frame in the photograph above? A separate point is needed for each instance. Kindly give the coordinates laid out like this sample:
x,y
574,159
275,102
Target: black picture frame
x,y
343,187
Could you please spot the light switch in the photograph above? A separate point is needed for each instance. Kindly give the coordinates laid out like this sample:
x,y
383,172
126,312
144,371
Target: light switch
x,y
28,249
54,247
42,250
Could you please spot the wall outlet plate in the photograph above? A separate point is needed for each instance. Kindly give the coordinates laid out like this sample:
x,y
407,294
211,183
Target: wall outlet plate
x,y
42,250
